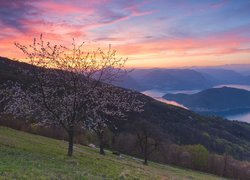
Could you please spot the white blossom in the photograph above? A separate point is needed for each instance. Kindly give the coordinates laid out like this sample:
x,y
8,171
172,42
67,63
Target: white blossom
x,y
70,87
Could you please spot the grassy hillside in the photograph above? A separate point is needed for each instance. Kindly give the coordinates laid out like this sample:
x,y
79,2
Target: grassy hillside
x,y
30,156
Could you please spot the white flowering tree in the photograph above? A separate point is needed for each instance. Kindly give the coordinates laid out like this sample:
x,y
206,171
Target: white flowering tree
x,y
113,104
65,85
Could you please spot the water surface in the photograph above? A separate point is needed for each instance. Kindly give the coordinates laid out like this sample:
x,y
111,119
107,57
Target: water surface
x,y
233,115
240,117
158,95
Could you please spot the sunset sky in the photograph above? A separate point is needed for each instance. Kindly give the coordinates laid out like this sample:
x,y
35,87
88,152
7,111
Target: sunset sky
x,y
151,33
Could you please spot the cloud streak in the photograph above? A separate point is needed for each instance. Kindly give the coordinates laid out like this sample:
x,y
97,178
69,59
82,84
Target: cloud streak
x,y
12,13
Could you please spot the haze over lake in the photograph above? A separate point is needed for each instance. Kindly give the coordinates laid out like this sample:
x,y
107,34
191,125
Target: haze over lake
x,y
240,116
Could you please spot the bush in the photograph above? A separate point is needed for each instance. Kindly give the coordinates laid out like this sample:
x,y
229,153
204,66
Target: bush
x,y
199,156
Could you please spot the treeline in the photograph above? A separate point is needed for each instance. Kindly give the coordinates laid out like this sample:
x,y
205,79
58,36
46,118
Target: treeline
x,y
195,157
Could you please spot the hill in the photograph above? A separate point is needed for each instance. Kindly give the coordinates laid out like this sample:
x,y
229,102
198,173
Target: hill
x,y
186,127
179,125
215,99
183,79
171,79
128,82
223,76
243,69
27,156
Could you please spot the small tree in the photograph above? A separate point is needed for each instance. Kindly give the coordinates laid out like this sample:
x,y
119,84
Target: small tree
x,y
148,138
199,155
64,87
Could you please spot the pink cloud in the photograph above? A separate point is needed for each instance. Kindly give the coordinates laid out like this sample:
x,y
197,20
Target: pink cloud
x,y
135,9
62,8
103,21
190,46
219,5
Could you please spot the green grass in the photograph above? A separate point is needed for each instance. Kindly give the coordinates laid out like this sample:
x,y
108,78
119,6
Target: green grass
x,y
27,156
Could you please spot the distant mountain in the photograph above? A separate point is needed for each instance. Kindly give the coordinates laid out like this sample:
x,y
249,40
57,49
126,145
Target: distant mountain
x,y
224,76
138,74
215,99
235,66
246,73
240,68
128,82
181,79
173,79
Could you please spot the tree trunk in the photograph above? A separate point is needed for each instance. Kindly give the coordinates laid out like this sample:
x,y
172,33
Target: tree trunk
x,y
101,141
71,141
146,151
113,140
224,173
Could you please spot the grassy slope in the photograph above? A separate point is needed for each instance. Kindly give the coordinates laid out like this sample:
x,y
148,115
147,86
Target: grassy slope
x,y
28,156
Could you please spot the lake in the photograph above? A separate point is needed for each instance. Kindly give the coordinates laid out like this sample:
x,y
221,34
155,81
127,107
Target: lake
x,y
160,93
240,117
157,94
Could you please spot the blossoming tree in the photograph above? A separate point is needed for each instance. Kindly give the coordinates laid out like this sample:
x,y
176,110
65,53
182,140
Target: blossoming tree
x,y
69,87
113,104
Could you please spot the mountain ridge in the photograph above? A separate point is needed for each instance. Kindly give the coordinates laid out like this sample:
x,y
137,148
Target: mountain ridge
x,y
214,99
180,79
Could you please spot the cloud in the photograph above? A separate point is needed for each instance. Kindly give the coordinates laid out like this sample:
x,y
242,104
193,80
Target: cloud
x,y
108,16
220,4
62,8
90,15
186,47
13,12
138,28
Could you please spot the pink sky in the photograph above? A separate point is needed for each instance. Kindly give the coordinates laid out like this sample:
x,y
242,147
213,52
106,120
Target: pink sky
x,y
150,34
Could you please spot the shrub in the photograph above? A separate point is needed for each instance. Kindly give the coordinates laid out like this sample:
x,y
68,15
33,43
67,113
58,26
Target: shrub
x,y
199,156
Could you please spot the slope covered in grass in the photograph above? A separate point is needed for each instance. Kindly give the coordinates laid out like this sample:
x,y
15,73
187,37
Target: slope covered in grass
x,y
30,156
